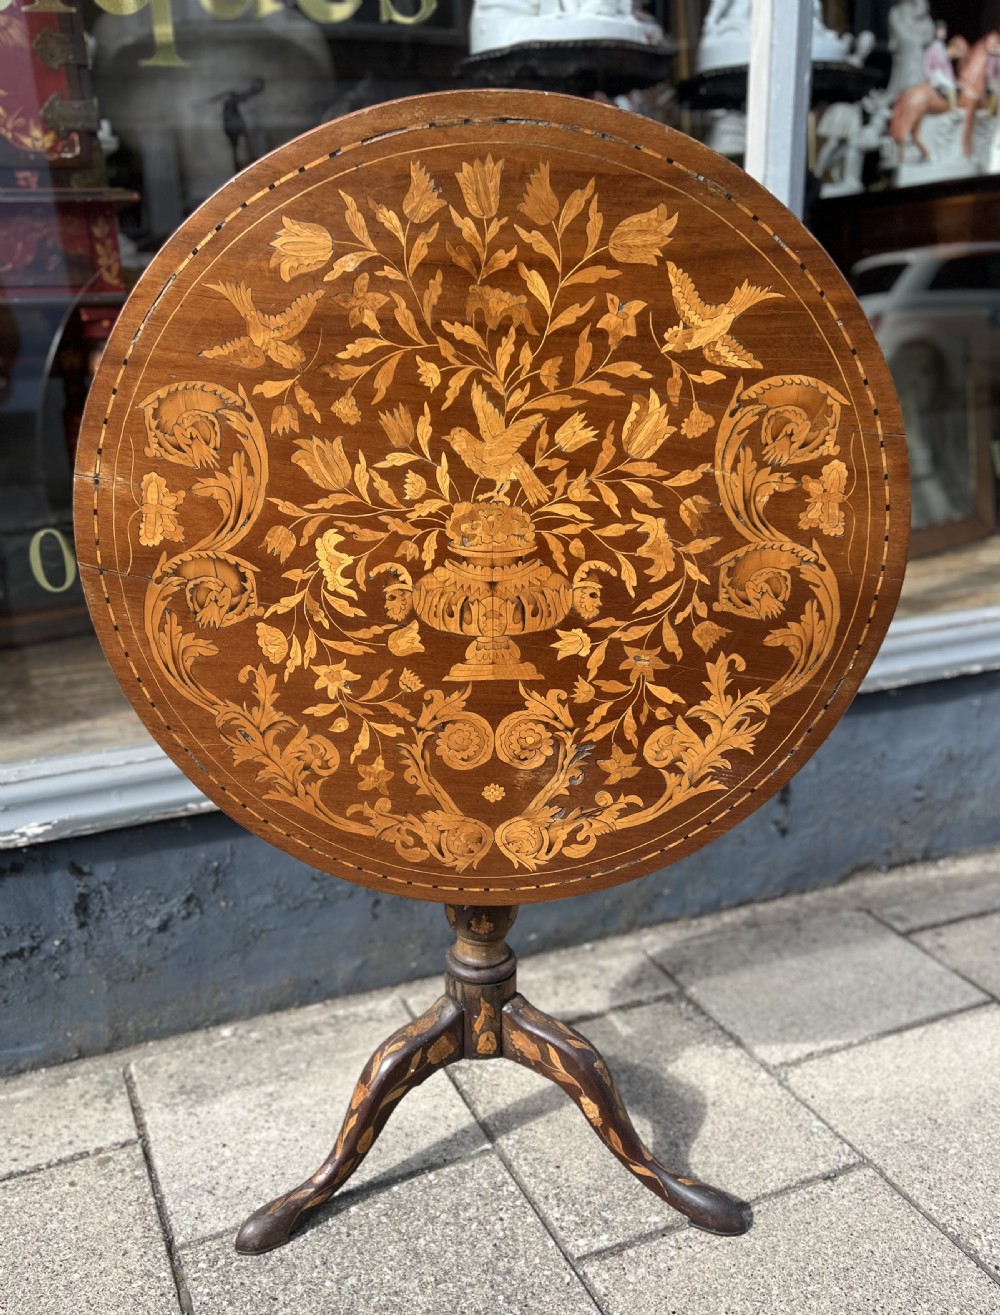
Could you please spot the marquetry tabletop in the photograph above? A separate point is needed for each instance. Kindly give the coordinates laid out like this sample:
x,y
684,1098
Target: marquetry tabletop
x,y
490,497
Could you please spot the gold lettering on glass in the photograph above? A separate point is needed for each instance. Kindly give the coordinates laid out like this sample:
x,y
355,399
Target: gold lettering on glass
x,y
37,565
165,53
388,13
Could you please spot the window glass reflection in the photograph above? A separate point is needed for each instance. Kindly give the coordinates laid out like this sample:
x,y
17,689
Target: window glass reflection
x,y
119,117
936,313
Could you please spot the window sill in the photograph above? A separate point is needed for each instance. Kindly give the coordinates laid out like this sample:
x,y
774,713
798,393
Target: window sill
x,y
56,798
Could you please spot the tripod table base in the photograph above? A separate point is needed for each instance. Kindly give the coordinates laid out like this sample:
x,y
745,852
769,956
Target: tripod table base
x,y
483,1017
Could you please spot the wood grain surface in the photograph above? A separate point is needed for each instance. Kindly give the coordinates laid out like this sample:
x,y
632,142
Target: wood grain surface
x,y
491,496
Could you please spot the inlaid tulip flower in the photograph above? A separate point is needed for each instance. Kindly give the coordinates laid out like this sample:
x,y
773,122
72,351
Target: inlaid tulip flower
x,y
640,239
422,200
323,461
646,426
480,184
300,248
539,202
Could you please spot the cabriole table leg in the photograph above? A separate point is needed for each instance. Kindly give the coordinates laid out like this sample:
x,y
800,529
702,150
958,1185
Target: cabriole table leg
x,y
561,1054
401,1063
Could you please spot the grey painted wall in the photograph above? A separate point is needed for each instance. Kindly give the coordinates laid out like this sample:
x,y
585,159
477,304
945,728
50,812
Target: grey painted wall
x,y
112,939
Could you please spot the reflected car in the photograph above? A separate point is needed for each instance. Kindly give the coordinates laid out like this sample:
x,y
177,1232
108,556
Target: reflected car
x,y
936,314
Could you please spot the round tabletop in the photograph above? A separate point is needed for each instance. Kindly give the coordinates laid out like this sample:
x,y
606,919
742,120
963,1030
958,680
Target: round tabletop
x,y
491,496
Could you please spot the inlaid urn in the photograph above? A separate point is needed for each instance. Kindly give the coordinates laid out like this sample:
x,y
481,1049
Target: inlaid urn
x,y
498,591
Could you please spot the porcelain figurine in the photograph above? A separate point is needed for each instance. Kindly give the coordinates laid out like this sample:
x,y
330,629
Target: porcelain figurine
x,y
938,68
500,24
725,37
848,132
911,31
936,140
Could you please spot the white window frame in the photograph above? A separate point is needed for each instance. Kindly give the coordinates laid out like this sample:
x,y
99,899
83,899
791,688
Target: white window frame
x,y
57,798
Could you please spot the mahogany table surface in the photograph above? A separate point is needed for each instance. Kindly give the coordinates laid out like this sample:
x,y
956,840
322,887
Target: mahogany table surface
x,y
491,496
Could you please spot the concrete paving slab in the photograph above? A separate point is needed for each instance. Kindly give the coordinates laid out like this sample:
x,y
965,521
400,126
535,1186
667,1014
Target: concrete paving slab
x,y
971,947
53,1114
701,1104
923,1107
591,979
926,894
575,983
458,1241
852,1245
84,1237
352,1017
245,1113
799,986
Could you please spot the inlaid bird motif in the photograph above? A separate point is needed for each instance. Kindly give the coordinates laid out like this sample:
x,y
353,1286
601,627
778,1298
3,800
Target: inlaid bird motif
x,y
268,337
495,454
708,326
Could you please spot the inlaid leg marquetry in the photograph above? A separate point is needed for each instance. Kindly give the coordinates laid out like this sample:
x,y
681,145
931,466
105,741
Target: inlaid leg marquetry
x,y
483,1017
555,1050
406,1059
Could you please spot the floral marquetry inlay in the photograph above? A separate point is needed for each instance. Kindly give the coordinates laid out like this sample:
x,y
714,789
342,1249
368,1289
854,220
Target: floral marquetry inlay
x,y
487,505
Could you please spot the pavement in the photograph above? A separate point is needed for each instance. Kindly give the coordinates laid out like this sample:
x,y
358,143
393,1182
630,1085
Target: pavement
x,y
833,1057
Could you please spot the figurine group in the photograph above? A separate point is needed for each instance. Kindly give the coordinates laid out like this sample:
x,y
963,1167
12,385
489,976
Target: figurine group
x,y
958,78
935,120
